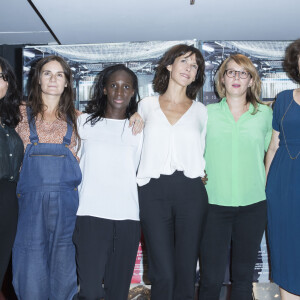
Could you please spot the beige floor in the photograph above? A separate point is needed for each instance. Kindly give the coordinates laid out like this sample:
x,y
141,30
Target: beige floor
x,y
266,291
262,291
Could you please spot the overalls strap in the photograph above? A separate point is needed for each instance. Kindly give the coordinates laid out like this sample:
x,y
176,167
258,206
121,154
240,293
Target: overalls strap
x,y
67,137
33,133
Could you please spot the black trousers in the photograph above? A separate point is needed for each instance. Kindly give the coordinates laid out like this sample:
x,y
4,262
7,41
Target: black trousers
x,y
105,250
8,223
172,211
243,228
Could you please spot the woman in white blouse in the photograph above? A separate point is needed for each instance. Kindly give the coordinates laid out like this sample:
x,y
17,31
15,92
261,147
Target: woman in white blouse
x,y
173,199
107,230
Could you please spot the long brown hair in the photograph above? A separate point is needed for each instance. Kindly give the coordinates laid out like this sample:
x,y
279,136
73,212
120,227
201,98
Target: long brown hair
x,y
66,108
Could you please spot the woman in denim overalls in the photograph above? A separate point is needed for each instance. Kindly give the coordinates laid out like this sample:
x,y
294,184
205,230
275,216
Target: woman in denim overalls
x,y
43,254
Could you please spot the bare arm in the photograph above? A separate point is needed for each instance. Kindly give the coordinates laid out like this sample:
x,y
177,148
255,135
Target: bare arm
x,y
274,144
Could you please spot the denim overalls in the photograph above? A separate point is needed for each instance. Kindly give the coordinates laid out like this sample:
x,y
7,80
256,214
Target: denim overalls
x,y
43,254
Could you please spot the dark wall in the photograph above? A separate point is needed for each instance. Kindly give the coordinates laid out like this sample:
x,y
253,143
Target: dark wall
x,y
13,54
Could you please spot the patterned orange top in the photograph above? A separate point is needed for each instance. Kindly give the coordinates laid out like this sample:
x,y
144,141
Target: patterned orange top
x,y
48,132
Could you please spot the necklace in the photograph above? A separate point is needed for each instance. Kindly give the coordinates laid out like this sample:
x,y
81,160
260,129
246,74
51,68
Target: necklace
x,y
287,148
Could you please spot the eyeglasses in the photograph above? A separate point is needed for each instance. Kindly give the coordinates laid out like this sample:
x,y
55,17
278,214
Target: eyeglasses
x,y
233,73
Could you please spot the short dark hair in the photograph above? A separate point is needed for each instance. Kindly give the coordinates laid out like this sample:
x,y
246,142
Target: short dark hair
x,y
290,63
9,105
162,75
96,107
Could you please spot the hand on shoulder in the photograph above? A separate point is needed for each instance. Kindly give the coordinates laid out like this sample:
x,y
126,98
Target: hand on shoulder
x,y
78,112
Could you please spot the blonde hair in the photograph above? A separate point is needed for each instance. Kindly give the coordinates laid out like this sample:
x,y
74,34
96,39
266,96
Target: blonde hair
x,y
253,92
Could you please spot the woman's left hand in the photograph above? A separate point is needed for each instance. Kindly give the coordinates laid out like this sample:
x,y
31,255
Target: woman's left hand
x,y
137,122
204,179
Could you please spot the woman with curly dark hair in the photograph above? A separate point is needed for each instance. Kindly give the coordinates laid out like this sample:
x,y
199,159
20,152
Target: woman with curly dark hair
x,y
11,155
107,228
173,199
43,254
283,189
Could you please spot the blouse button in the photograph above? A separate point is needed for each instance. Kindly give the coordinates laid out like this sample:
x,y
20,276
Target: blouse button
x,y
10,154
7,134
11,177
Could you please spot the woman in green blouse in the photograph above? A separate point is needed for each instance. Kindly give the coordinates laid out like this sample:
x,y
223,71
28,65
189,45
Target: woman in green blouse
x,y
238,134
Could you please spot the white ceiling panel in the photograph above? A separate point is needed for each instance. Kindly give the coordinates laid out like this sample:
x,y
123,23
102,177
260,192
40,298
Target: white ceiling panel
x,y
20,24
96,21
102,21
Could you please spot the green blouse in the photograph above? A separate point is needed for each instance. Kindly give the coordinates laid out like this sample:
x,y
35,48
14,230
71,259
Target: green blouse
x,y
235,154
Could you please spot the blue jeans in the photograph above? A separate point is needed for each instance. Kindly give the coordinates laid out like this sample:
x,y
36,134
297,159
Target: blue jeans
x,y
44,255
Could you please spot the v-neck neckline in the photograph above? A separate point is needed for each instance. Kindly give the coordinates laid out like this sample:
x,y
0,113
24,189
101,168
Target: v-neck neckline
x,y
172,125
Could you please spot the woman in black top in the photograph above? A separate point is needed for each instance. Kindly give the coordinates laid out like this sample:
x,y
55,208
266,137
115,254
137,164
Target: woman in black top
x,y
11,155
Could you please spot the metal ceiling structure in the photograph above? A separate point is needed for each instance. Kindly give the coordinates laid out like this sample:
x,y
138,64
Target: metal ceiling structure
x,y
105,52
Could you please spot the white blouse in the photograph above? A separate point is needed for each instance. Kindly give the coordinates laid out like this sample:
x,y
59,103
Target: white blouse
x,y
109,157
167,147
